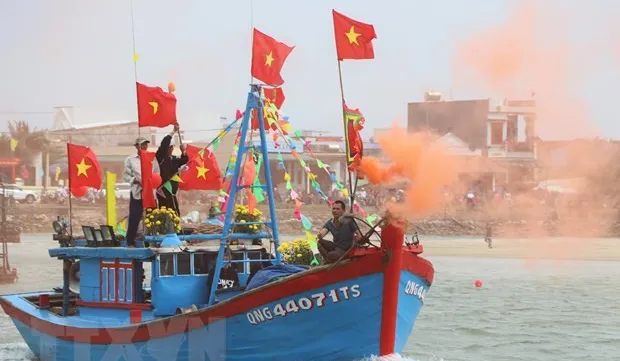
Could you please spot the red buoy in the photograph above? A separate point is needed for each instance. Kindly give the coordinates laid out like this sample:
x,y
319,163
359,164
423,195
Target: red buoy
x,y
478,283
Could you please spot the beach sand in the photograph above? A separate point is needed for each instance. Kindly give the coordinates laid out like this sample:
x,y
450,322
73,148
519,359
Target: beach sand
x,y
587,249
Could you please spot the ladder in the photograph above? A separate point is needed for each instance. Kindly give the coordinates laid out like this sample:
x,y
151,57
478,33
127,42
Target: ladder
x,y
254,102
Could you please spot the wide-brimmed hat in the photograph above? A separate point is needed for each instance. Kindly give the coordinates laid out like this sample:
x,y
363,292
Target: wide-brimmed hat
x,y
141,140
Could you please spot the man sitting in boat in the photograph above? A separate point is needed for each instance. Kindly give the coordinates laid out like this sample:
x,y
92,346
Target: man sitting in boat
x,y
344,232
229,277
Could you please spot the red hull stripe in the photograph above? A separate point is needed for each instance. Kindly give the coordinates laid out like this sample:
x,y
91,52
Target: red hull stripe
x,y
122,306
418,266
169,326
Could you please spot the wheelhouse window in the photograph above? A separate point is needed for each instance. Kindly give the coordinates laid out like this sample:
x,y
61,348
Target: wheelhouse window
x,y
238,266
202,263
183,264
166,264
117,281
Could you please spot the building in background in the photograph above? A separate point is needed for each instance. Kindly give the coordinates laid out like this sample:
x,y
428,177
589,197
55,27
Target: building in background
x,y
512,141
502,134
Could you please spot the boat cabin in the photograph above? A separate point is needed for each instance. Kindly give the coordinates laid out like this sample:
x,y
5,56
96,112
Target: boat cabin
x,y
113,278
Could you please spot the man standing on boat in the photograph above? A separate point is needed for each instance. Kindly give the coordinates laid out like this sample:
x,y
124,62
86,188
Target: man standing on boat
x,y
133,175
344,232
169,165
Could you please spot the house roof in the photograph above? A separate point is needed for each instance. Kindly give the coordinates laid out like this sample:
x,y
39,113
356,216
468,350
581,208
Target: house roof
x,y
97,125
457,146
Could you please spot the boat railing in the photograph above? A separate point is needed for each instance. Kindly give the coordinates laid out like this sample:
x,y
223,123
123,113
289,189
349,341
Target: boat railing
x,y
210,237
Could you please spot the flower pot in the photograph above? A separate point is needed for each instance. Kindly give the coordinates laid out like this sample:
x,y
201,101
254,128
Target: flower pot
x,y
171,240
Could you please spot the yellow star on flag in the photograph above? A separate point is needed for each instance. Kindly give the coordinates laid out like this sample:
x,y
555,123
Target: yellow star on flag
x,y
82,168
202,171
352,36
269,58
155,106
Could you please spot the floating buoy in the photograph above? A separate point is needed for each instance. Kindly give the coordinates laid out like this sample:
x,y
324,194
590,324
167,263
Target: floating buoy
x,y
478,283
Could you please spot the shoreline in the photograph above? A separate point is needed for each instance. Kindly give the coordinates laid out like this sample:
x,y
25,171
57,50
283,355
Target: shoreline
x,y
528,249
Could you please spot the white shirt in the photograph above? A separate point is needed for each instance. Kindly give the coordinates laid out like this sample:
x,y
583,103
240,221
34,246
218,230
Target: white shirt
x,y
134,172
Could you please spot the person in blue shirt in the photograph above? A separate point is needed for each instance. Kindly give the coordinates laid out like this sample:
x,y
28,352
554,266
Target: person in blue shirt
x,y
344,233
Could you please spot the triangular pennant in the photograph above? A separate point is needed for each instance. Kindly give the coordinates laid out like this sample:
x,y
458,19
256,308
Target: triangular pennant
x,y
305,222
168,187
176,178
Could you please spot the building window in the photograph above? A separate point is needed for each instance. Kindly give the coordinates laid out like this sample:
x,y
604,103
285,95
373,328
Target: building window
x,y
497,133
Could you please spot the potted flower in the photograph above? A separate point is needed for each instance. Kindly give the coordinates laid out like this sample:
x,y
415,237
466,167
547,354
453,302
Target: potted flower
x,y
298,251
162,221
243,215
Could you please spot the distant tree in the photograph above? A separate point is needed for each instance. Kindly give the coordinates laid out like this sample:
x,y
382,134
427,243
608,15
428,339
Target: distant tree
x,y
30,142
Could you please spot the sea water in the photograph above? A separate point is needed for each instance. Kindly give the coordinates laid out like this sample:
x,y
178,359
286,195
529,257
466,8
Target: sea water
x,y
525,310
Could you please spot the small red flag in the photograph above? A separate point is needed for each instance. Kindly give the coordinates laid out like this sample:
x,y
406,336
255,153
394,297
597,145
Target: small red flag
x,y
156,108
353,38
84,168
274,96
202,171
354,145
148,189
268,56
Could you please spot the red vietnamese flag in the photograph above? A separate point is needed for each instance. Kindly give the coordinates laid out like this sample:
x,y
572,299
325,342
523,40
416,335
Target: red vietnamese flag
x,y
156,108
274,96
353,38
202,171
146,169
84,168
268,56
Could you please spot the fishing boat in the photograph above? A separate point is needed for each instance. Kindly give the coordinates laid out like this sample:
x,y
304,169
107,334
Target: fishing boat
x,y
362,305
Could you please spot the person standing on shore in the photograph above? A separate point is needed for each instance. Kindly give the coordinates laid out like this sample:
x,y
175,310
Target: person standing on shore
x,y
133,175
169,165
488,237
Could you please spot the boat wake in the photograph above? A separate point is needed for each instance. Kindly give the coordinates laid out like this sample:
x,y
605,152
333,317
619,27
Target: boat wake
x,y
19,351
397,357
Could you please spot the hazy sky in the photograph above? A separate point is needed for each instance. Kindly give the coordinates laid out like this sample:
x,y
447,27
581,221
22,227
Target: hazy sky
x,y
79,53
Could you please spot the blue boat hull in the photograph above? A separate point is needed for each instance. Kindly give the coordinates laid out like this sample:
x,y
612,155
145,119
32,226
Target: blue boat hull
x,y
341,320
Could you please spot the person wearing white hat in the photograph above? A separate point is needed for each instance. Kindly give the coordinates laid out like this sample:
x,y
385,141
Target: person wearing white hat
x,y
133,176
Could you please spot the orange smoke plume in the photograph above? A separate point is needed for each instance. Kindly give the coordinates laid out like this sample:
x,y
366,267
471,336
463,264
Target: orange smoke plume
x,y
532,54
417,160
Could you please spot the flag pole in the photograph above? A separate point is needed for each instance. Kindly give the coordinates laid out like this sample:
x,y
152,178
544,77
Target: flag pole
x,y
70,203
135,60
346,145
